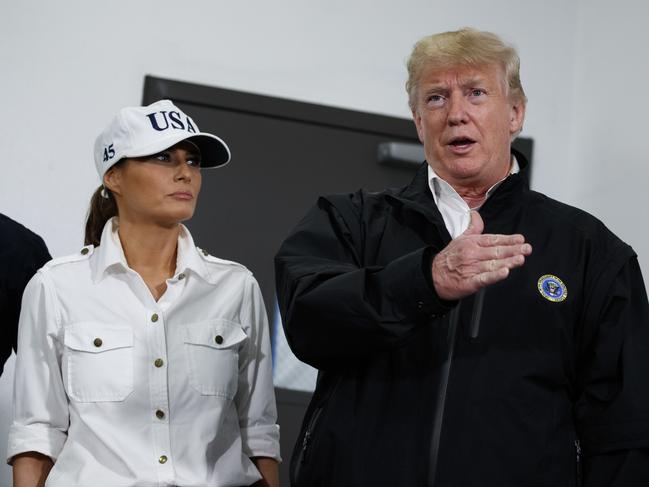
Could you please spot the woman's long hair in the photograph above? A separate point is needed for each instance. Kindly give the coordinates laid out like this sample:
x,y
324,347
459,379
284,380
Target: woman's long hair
x,y
101,210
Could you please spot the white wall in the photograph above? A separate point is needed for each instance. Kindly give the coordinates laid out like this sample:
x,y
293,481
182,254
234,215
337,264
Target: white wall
x,y
609,170
66,67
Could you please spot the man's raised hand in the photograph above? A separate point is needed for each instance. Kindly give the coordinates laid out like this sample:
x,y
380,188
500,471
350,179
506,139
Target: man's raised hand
x,y
475,260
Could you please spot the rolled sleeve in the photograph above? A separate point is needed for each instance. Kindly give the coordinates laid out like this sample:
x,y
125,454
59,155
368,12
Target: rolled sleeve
x,y
35,437
256,395
40,407
261,441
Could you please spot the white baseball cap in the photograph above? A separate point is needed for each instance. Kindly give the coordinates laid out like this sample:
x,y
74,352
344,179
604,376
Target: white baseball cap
x,y
143,131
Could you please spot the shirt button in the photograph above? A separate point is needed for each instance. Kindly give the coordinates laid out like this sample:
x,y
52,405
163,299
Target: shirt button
x,y
181,276
160,414
84,251
420,304
97,342
158,362
154,317
162,459
218,339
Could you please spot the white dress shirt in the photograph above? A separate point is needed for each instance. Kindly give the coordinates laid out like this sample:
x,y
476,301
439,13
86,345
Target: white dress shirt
x,y
121,390
454,210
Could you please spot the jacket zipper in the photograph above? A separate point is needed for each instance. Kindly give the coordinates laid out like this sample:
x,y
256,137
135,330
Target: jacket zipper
x,y
441,396
308,433
476,314
578,461
301,450
294,473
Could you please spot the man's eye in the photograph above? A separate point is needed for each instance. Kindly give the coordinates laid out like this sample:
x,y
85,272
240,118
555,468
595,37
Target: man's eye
x,y
435,99
194,161
478,92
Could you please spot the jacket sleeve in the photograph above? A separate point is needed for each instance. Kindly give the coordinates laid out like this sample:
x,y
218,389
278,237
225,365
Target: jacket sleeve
x,y
337,308
612,411
255,397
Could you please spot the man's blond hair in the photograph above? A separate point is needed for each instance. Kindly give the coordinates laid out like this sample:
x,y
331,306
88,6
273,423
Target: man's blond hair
x,y
464,47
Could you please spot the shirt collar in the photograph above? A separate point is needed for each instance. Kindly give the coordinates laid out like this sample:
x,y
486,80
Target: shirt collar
x,y
189,258
110,255
441,189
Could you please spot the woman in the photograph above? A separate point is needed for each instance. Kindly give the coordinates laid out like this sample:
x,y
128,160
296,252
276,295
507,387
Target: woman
x,y
142,360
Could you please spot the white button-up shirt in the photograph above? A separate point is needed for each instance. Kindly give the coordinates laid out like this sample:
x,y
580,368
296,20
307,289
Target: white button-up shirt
x,y
121,390
454,209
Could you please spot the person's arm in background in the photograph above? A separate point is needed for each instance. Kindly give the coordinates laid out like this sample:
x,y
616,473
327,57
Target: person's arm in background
x,y
19,264
613,410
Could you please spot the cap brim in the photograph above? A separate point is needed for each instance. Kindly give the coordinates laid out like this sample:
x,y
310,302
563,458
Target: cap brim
x,y
214,152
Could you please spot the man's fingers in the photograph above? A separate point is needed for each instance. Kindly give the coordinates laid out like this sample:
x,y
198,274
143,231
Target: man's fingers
x,y
487,278
492,240
473,261
503,252
494,265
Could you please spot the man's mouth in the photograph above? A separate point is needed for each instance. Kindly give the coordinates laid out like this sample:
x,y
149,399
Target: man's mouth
x,y
461,145
461,141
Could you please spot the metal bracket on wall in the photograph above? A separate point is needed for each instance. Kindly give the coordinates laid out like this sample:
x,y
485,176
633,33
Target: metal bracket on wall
x,y
401,153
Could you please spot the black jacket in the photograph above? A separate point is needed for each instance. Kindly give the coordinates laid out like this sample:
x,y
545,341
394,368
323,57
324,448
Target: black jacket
x,y
414,391
22,253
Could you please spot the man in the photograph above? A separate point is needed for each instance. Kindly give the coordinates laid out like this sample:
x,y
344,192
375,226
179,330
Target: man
x,y
468,331
22,253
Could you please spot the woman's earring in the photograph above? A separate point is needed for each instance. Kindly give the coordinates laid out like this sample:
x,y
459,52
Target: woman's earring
x,y
104,192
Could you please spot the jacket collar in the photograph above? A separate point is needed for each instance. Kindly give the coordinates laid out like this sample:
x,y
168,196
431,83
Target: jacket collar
x,y
499,205
418,197
415,202
109,256
418,190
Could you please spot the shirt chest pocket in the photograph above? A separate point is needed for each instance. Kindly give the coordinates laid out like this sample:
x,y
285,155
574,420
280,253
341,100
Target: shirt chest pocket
x,y
212,350
98,361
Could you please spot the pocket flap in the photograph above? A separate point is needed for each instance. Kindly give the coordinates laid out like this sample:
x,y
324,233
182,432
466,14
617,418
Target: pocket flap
x,y
221,334
96,337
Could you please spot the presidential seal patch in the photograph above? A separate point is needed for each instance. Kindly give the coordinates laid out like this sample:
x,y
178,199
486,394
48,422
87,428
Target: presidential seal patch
x,y
552,288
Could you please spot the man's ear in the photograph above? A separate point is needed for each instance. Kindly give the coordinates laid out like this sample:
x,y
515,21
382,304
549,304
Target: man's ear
x,y
112,180
517,117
